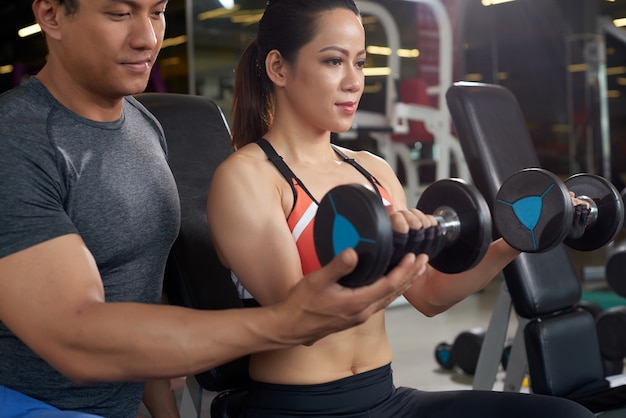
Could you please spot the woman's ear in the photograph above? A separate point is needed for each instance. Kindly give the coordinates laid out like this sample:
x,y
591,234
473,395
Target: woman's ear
x,y
46,13
276,68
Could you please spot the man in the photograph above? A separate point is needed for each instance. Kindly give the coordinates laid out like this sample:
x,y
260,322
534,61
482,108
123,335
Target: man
x,y
88,212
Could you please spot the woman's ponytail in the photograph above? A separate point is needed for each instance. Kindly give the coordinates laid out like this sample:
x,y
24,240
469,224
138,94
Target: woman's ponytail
x,y
252,98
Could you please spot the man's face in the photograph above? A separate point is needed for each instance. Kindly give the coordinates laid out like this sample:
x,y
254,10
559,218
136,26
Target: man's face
x,y
108,47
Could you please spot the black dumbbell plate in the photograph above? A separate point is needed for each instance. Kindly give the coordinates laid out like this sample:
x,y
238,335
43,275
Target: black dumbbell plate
x,y
352,216
533,210
475,223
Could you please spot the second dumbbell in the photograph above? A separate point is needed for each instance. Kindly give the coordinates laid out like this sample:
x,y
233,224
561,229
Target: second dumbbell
x,y
533,211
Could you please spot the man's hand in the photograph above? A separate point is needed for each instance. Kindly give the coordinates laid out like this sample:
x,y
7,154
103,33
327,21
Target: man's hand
x,y
318,305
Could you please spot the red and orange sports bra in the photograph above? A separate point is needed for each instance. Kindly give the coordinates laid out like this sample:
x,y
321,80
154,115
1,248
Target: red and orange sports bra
x,y
302,215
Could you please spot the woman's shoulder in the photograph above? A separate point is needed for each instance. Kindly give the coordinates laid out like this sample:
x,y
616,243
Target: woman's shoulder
x,y
246,163
247,157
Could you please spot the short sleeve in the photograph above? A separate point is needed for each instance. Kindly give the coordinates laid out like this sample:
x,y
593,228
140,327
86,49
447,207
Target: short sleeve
x,y
31,192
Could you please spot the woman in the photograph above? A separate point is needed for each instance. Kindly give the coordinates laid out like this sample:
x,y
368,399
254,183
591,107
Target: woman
x,y
301,79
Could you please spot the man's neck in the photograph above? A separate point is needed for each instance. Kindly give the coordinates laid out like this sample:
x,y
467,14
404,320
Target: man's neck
x,y
80,101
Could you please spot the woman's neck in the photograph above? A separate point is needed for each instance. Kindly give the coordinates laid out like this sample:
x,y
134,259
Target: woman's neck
x,y
302,147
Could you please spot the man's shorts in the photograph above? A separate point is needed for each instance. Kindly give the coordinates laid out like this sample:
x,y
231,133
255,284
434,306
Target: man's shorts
x,y
16,405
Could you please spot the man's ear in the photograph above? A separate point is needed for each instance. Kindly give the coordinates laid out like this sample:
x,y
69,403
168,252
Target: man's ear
x,y
47,14
276,68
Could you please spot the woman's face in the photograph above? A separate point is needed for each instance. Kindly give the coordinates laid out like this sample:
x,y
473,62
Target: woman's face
x,y
325,84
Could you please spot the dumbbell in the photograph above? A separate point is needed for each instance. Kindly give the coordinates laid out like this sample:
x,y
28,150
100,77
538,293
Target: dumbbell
x,y
463,353
353,216
533,211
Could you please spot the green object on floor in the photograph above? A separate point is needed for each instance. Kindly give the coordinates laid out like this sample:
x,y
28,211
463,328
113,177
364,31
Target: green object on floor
x,y
605,298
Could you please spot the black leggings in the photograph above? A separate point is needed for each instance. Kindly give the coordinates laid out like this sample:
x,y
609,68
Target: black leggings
x,y
372,395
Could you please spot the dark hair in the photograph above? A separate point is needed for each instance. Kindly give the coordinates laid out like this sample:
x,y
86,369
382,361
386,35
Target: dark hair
x,y
286,26
71,6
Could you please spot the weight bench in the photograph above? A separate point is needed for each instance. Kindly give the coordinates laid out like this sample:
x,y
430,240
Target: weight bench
x,y
555,342
198,140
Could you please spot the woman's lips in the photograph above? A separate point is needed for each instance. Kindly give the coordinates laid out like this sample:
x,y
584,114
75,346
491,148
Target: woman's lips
x,y
347,107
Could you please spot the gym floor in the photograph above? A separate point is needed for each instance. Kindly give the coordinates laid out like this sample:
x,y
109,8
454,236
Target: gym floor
x,y
414,336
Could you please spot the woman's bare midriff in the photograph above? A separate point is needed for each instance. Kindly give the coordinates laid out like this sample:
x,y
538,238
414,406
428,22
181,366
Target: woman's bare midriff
x,y
339,355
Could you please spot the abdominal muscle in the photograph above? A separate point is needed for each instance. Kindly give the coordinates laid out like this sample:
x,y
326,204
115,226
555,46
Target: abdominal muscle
x,y
343,354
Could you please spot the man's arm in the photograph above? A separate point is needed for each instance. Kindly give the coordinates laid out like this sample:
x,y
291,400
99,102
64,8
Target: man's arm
x,y
51,297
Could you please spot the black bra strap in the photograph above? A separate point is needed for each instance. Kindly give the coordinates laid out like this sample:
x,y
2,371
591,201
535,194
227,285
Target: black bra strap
x,y
284,169
359,167
276,159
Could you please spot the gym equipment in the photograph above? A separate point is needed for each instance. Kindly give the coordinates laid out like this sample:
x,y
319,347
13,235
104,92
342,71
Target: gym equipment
x,y
607,211
194,276
465,217
533,211
399,115
623,193
615,269
555,344
590,306
352,216
608,334
464,351
611,327
611,324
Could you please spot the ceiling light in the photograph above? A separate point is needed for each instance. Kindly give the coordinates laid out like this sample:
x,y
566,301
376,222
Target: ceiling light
x,y
217,13
374,71
613,94
170,61
620,22
29,30
408,53
228,4
473,77
247,19
384,50
615,70
494,2
177,40
378,50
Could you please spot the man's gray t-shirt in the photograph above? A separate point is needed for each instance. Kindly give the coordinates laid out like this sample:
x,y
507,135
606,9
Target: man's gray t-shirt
x,y
108,182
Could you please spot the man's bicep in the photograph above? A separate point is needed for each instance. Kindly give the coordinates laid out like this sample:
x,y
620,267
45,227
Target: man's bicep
x,y
43,287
